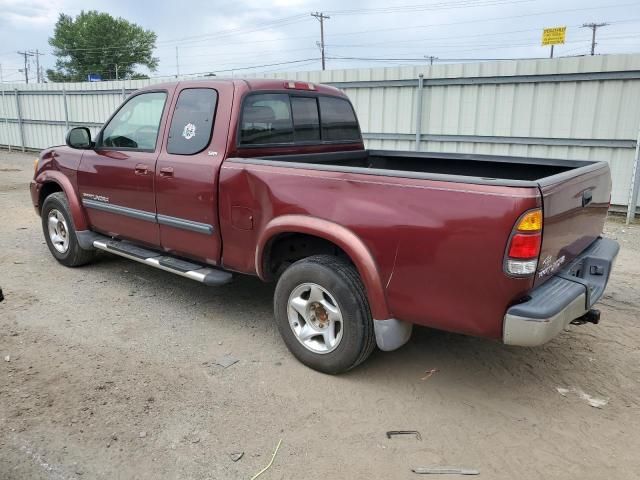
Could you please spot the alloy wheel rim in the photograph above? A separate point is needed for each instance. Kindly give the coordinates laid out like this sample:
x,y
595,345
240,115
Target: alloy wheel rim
x,y
58,231
315,318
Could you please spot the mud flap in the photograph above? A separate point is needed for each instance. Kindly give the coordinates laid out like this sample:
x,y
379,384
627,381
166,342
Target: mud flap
x,y
391,334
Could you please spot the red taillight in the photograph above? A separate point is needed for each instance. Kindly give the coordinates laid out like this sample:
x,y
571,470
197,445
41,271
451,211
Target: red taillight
x,y
521,259
525,246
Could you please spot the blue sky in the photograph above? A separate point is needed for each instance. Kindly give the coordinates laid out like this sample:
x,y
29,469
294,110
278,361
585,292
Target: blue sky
x,y
218,36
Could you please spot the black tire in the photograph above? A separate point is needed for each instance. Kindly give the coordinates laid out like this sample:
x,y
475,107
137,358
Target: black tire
x,y
341,280
74,256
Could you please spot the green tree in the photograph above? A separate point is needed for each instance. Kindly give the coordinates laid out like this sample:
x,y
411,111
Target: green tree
x,y
95,42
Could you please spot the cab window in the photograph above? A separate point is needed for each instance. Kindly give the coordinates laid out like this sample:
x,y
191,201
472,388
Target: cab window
x,y
297,119
339,122
306,121
135,126
266,118
192,122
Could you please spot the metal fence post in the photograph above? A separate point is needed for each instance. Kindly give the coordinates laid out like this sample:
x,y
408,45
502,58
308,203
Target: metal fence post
x,y
123,92
6,117
635,184
66,108
419,111
20,125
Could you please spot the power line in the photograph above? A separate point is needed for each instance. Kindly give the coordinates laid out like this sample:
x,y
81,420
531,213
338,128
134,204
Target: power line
x,y
422,7
238,59
450,48
234,69
110,50
171,43
321,17
593,27
438,59
252,67
477,46
476,21
164,44
296,18
239,31
455,37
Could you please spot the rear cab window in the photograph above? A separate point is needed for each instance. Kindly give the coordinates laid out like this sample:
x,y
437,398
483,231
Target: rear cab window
x,y
192,122
306,119
290,119
339,121
266,119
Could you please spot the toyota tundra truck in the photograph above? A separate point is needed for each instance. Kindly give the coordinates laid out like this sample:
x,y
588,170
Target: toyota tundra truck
x,y
212,179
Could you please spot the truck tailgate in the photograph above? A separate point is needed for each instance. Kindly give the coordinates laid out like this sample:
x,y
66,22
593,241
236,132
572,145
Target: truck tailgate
x,y
575,205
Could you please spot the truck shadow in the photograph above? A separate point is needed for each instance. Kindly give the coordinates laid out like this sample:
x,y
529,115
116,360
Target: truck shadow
x,y
457,361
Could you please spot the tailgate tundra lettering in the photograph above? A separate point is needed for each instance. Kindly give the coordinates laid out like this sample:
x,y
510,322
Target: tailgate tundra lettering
x,y
549,266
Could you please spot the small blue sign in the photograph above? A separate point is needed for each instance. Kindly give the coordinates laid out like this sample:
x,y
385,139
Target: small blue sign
x,y
94,77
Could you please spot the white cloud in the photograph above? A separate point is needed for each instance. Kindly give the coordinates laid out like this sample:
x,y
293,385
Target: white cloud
x,y
32,13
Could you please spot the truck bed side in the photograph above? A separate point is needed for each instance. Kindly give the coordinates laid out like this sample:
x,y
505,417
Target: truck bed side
x,y
438,246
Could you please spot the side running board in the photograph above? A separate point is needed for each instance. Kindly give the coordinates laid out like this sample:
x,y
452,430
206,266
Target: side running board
x,y
199,273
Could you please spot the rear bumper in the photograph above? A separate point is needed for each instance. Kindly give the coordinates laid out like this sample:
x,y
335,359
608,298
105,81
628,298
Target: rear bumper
x,y
568,295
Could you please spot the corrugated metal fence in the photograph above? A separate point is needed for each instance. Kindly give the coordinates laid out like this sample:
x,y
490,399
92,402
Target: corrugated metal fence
x,y
580,108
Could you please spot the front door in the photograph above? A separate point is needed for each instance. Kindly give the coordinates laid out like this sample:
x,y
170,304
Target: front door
x,y
116,179
187,173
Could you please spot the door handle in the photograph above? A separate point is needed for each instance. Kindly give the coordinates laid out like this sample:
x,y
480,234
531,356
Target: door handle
x,y
166,172
587,196
141,169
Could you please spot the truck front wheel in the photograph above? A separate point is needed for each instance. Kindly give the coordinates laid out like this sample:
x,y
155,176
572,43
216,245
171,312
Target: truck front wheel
x,y
322,313
60,233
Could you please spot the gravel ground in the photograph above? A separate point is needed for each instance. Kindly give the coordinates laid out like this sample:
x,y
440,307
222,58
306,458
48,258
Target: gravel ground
x,y
108,372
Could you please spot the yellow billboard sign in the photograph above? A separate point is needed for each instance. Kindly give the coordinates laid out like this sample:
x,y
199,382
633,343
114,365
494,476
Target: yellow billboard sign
x,y
553,36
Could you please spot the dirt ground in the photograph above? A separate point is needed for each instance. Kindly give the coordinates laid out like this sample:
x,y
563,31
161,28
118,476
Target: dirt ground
x,y
108,372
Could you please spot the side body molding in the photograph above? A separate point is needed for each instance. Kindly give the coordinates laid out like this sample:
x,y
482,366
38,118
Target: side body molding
x,y
344,238
77,211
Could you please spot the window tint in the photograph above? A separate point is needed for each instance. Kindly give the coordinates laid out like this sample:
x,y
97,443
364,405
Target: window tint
x,y
192,121
136,124
306,122
266,118
338,120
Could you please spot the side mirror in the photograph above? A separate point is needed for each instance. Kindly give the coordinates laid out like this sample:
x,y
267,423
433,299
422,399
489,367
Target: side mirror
x,y
79,137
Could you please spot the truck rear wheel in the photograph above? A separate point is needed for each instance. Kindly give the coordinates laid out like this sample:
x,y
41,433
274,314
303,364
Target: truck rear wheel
x,y
322,313
60,233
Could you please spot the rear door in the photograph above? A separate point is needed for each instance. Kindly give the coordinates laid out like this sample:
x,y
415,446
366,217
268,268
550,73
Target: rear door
x,y
187,172
575,205
116,178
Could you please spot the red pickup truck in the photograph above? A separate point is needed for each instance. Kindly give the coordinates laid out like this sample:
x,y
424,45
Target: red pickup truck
x,y
206,179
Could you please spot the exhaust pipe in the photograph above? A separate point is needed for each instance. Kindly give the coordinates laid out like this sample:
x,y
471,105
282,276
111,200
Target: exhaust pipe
x,y
592,316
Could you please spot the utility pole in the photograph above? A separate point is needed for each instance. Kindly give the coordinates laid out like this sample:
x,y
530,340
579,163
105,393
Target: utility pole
x,y
594,27
431,58
116,71
177,64
321,17
37,66
26,64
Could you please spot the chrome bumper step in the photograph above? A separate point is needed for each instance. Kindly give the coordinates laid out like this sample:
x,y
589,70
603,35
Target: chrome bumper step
x,y
184,268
